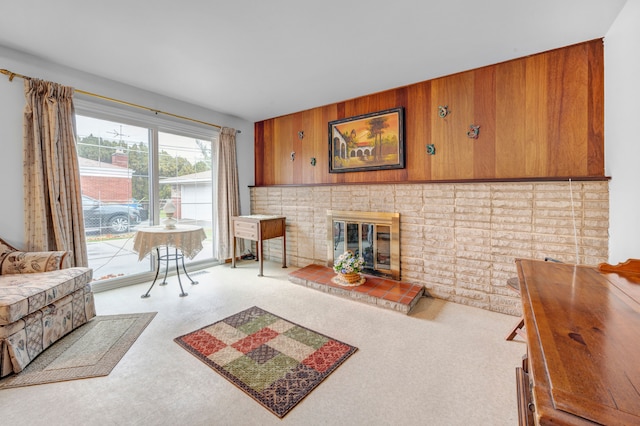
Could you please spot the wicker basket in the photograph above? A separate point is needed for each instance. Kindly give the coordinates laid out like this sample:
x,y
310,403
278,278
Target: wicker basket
x,y
350,278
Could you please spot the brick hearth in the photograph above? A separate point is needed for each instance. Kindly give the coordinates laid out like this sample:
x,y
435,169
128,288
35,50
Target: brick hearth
x,y
385,293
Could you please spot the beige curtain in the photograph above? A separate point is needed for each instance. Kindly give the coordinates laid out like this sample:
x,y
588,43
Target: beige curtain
x,y
228,192
52,196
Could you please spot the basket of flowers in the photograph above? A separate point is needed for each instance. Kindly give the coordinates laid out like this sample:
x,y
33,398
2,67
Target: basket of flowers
x,y
348,267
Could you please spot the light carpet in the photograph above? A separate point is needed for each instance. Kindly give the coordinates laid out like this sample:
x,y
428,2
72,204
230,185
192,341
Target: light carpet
x,y
91,350
275,361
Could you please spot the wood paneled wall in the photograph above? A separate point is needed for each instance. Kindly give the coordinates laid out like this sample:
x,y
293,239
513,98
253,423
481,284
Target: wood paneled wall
x,y
541,117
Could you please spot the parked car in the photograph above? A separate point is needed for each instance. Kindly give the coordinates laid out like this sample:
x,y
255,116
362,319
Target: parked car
x,y
113,218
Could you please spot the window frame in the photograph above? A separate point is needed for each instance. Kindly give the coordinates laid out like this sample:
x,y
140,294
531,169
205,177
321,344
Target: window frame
x,y
155,124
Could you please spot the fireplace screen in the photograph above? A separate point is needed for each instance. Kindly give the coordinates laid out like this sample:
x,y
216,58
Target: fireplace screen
x,y
375,236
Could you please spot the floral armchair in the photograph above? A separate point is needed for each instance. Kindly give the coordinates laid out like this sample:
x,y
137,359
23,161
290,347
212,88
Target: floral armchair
x,y
14,261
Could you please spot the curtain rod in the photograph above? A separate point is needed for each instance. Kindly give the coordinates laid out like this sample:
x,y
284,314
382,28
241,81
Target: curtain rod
x,y
12,75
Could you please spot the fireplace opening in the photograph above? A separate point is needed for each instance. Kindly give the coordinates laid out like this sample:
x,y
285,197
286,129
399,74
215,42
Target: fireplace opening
x,y
373,235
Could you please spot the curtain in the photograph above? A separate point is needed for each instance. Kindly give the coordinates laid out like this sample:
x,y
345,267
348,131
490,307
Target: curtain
x,y
228,193
52,195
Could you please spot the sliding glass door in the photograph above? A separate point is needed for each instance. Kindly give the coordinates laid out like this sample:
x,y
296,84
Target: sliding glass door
x,y
127,174
185,177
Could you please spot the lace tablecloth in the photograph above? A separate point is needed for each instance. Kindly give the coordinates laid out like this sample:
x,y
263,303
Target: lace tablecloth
x,y
187,238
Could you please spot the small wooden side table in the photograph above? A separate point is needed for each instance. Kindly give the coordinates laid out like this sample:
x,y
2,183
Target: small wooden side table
x,y
259,228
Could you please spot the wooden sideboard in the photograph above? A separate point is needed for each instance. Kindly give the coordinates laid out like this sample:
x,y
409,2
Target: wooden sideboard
x,y
583,344
259,228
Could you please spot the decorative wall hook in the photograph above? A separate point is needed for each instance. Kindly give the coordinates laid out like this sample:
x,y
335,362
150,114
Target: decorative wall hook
x,y
313,161
474,131
293,155
443,111
301,134
431,149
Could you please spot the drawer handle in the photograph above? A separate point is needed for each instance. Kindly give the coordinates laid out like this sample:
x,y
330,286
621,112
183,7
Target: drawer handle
x,y
531,407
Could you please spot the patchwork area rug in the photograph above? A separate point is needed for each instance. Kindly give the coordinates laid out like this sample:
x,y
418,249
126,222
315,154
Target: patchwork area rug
x,y
275,361
91,350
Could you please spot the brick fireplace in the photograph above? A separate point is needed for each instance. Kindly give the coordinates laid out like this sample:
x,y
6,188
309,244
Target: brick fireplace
x,y
459,240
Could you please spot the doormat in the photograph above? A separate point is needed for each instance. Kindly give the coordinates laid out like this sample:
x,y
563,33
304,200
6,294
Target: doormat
x,y
275,361
91,350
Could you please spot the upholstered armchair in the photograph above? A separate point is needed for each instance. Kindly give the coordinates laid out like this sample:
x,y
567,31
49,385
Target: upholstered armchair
x,y
14,261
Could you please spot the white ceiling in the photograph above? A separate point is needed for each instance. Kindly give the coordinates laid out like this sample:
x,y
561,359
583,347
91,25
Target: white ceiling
x,y
258,59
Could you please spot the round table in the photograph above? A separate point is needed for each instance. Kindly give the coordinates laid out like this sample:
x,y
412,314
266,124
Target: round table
x,y
185,239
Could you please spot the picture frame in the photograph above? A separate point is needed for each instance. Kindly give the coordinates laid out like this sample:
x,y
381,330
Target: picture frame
x,y
373,141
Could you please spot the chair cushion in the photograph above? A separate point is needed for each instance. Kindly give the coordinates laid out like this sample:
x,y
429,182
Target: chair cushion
x,y
20,262
22,294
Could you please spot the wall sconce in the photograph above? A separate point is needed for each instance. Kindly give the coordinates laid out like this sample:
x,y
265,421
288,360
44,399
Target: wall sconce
x,y
431,149
301,134
313,161
293,155
443,111
474,131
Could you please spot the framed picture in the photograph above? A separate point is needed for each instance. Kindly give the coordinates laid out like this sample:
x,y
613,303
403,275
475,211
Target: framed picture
x,y
367,142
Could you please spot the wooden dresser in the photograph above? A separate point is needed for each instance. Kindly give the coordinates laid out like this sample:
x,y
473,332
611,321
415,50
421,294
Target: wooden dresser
x,y
583,344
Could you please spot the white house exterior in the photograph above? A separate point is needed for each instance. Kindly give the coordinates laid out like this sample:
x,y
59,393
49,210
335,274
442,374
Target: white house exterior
x,y
193,195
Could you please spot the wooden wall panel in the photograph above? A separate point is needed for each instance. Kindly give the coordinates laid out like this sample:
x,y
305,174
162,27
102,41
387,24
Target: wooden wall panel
x,y
484,114
282,147
596,109
417,132
540,117
300,157
510,119
454,150
258,149
536,117
567,86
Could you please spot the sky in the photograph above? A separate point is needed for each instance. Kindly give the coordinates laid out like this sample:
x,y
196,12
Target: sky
x,y
110,130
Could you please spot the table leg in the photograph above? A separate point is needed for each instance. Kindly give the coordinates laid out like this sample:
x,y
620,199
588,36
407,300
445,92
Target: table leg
x,y
166,269
284,249
155,278
233,253
185,272
182,294
260,255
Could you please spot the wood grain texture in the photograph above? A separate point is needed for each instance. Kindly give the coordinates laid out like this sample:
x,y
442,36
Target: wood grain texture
x,y
455,158
567,82
282,147
595,149
583,331
417,132
541,117
511,120
536,117
631,266
258,149
484,113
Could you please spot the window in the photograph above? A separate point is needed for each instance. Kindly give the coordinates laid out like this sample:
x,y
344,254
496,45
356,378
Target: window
x,y
129,167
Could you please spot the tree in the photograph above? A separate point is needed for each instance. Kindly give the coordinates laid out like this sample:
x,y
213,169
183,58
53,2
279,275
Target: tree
x,y
350,137
205,148
169,165
376,130
95,148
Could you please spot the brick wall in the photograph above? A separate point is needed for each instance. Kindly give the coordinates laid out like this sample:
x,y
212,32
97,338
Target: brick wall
x,y
107,189
459,240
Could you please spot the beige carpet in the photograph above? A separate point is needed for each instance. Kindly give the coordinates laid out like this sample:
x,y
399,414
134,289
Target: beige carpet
x,y
92,350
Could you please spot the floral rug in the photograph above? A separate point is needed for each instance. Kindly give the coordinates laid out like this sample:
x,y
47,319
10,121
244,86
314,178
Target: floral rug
x,y
275,361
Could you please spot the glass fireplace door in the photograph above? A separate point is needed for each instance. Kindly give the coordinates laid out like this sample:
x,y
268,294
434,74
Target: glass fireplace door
x,y
373,235
369,240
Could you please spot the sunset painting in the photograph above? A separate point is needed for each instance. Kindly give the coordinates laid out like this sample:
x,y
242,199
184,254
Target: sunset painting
x,y
367,142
